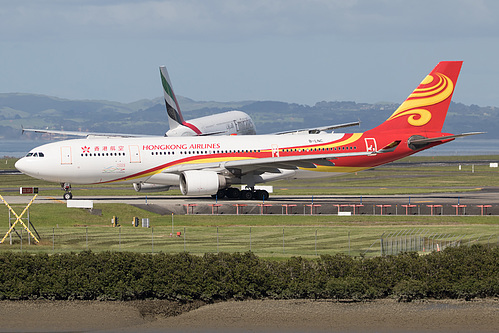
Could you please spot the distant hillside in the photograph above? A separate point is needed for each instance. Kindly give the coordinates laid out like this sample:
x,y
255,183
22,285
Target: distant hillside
x,y
149,116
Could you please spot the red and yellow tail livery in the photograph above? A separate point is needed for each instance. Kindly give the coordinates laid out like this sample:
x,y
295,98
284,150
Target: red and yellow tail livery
x,y
426,108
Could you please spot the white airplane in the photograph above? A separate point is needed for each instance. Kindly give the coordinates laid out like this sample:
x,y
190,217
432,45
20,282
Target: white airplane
x,y
226,123
209,165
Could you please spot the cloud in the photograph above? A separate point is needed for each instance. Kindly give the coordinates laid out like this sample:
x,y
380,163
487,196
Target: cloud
x,y
238,20
292,50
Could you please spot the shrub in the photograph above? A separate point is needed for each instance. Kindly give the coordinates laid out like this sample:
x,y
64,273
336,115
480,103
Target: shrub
x,y
464,272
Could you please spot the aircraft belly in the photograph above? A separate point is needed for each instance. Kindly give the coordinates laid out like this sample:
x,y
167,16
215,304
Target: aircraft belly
x,y
164,179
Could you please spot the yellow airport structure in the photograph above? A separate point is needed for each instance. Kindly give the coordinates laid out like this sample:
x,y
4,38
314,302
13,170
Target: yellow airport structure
x,y
19,219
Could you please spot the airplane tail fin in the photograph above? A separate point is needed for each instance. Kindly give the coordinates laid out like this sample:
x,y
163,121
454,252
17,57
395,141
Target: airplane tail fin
x,y
426,108
172,108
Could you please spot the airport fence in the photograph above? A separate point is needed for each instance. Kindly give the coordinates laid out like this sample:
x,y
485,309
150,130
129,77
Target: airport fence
x,y
263,241
423,240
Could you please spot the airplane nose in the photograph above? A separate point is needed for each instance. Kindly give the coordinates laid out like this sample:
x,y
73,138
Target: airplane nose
x,y
21,165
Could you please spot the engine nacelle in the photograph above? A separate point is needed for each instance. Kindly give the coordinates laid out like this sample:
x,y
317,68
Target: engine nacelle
x,y
196,182
146,187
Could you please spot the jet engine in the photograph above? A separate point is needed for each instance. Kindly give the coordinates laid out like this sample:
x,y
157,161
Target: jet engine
x,y
147,187
197,182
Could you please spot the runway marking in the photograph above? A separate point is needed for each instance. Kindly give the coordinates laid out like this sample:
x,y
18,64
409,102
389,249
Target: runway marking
x,y
56,200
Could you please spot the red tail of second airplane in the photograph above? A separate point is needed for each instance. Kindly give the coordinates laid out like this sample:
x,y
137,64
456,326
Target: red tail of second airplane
x,y
425,109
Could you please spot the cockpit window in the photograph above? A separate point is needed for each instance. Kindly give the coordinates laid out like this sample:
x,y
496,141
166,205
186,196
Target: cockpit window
x,y
37,154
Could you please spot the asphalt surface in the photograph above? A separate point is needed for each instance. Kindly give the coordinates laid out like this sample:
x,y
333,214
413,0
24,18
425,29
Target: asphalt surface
x,y
468,202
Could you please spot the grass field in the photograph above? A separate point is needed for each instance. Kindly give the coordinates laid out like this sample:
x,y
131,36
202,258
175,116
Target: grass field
x,y
273,236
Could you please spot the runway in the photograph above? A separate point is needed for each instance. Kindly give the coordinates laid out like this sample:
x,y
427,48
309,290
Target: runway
x,y
483,201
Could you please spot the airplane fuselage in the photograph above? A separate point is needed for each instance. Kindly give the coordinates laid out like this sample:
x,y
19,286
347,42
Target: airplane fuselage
x,y
131,160
226,123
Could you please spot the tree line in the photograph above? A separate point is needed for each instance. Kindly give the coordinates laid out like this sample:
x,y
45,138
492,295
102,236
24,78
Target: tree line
x,y
462,272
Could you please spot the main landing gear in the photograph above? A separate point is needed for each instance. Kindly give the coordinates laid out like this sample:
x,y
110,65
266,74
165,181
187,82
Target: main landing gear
x,y
67,191
248,194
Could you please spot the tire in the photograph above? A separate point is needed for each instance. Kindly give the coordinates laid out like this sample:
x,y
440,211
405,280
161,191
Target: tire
x,y
246,195
220,194
232,193
261,195
67,196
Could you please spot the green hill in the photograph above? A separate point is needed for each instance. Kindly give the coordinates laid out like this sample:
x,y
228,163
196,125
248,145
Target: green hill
x,y
149,116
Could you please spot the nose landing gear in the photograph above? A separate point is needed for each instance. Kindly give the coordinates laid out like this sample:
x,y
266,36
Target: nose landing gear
x,y
67,191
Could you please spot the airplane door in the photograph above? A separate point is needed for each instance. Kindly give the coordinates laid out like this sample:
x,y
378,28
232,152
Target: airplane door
x,y
371,144
275,151
66,155
134,154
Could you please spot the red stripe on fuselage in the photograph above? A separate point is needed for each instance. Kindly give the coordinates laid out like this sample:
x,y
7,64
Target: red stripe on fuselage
x,y
192,127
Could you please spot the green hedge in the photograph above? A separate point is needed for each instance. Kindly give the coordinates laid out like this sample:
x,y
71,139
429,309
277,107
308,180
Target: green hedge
x,y
463,272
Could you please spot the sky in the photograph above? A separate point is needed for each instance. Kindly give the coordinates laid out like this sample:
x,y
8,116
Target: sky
x,y
295,51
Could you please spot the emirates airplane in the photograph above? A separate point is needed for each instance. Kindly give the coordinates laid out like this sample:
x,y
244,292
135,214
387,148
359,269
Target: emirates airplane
x,y
226,123
209,165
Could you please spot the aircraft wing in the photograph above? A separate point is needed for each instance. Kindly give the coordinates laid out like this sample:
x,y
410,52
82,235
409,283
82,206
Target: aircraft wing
x,y
267,164
124,135
319,129
85,134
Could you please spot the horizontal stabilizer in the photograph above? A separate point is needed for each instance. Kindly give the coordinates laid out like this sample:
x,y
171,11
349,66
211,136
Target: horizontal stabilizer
x,y
422,141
